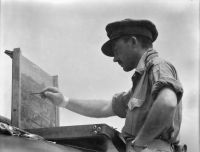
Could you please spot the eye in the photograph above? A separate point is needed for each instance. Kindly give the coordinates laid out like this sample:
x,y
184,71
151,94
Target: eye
x,y
113,47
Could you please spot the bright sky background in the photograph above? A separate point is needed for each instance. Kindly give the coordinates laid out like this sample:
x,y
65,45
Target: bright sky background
x,y
65,38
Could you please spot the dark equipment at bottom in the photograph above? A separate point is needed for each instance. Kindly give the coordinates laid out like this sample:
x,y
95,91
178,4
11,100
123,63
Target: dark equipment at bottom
x,y
19,144
84,138
96,137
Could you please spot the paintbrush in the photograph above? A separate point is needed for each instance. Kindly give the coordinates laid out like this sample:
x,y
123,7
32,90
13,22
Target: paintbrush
x,y
32,93
39,93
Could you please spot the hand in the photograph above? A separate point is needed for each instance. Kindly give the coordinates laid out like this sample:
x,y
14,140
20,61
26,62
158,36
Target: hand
x,y
136,147
55,96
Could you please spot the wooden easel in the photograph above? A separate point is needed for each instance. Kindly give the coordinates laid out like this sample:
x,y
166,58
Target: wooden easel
x,y
30,111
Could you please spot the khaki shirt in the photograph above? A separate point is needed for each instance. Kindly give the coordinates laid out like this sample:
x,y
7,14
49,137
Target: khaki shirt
x,y
151,75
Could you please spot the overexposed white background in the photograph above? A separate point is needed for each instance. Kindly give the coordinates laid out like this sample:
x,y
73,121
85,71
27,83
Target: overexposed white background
x,y
65,39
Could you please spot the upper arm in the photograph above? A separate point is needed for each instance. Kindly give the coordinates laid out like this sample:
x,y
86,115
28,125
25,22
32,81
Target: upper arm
x,y
167,97
164,75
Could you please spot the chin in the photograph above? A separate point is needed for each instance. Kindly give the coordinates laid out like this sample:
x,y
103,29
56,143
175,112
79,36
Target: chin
x,y
127,69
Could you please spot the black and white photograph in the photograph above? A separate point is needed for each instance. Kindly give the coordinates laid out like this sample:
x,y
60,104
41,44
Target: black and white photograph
x,y
95,76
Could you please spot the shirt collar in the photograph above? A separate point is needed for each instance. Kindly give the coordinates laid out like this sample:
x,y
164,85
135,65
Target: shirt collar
x,y
144,60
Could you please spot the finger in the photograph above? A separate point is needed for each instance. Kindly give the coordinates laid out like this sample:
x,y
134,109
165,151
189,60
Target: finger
x,y
51,89
42,95
49,95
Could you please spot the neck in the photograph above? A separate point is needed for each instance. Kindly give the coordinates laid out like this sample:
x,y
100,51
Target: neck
x,y
142,51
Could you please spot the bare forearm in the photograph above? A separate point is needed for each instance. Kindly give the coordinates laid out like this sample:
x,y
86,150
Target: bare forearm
x,y
159,118
91,108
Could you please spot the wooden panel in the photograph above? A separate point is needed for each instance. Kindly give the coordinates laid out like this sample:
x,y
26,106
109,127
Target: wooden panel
x,y
16,91
31,111
55,84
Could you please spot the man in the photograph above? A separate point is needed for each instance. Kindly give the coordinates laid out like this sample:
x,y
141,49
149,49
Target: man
x,y
152,107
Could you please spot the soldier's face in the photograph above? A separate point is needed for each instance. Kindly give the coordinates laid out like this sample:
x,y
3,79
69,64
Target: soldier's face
x,y
126,53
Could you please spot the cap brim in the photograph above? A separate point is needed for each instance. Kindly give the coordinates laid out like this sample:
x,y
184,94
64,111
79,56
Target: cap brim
x,y
107,48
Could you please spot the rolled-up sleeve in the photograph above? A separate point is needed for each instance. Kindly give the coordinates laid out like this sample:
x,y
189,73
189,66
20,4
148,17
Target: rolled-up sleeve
x,y
164,75
119,103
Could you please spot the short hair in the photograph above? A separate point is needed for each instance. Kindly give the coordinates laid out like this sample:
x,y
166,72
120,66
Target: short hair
x,y
145,41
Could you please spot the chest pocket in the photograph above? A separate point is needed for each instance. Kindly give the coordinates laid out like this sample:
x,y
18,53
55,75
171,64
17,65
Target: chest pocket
x,y
137,110
139,92
134,102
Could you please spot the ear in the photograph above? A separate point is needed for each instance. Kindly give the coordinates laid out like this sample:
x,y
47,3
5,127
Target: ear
x,y
133,40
